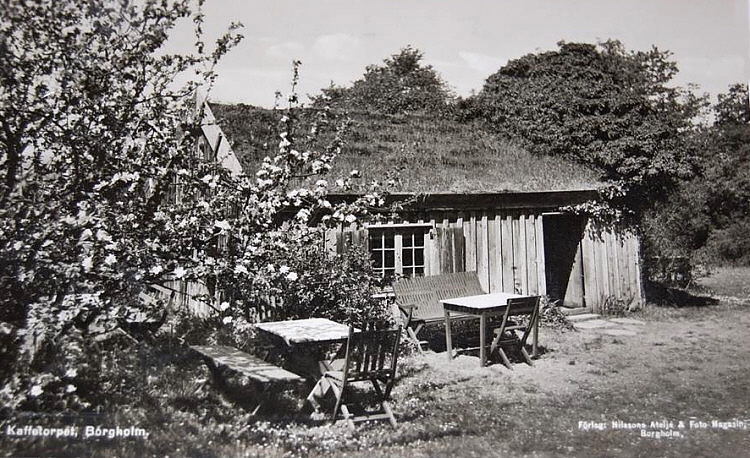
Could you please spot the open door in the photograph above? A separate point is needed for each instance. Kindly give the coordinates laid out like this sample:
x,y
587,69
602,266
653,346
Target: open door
x,y
563,258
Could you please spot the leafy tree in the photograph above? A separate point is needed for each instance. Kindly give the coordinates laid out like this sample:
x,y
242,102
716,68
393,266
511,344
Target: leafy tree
x,y
401,85
733,109
706,217
104,193
601,105
726,178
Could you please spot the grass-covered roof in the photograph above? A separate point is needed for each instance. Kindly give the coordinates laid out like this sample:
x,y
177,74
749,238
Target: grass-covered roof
x,y
423,154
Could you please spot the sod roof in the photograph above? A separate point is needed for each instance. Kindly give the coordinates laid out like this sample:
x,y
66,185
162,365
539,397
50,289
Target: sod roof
x,y
423,155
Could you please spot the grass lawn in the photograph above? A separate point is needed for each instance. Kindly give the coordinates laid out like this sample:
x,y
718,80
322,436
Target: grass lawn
x,y
728,281
686,364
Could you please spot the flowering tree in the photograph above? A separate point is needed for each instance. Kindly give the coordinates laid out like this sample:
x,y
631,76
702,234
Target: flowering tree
x,y
97,140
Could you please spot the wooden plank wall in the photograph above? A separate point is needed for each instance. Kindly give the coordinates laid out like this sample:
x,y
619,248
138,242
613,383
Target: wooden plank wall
x,y
510,251
185,297
611,263
506,249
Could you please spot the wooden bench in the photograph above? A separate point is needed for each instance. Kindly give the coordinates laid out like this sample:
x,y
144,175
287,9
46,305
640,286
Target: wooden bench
x,y
419,298
265,375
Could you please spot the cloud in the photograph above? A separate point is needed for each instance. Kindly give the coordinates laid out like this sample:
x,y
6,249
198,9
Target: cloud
x,y
482,63
286,50
338,46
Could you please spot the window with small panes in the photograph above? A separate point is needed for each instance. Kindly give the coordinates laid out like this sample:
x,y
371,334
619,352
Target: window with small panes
x,y
397,251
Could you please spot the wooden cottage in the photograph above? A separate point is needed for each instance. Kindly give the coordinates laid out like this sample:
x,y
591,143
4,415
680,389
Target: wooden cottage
x,y
515,241
483,205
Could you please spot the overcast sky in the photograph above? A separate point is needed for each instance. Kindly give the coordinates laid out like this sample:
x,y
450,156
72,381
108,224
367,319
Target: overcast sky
x,y
464,40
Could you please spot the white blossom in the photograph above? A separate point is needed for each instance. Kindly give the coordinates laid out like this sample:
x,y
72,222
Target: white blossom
x,y
303,215
156,270
103,235
35,391
86,234
223,306
291,276
87,263
179,272
223,225
110,259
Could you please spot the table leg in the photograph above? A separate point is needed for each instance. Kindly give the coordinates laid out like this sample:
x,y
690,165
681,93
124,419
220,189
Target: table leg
x,y
448,342
536,335
482,340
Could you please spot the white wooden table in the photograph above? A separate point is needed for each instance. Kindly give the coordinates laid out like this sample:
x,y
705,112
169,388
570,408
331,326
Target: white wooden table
x,y
483,305
306,334
317,330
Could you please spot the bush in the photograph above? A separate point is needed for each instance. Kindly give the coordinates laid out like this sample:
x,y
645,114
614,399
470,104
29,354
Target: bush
x,y
729,245
613,306
670,271
335,286
552,317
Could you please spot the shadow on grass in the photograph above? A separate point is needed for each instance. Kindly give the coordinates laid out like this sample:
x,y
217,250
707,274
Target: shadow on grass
x,y
659,294
465,335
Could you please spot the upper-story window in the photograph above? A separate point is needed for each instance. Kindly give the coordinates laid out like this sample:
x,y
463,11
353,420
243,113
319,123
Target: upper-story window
x,y
398,250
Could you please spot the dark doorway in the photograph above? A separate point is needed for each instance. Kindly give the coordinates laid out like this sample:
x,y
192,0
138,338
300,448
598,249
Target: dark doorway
x,y
563,258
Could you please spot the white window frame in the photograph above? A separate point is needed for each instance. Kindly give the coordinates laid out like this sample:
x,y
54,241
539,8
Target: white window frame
x,y
399,231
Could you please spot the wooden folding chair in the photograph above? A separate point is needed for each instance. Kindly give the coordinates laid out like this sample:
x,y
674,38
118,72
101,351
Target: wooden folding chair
x,y
509,330
371,355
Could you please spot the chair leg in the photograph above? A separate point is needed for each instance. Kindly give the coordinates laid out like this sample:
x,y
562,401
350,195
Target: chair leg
x,y
347,416
377,388
319,391
495,342
388,387
504,357
413,336
389,412
526,356
338,391
257,408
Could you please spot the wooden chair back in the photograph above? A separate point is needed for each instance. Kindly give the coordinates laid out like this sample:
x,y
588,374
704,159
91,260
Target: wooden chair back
x,y
371,354
425,293
523,306
517,307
